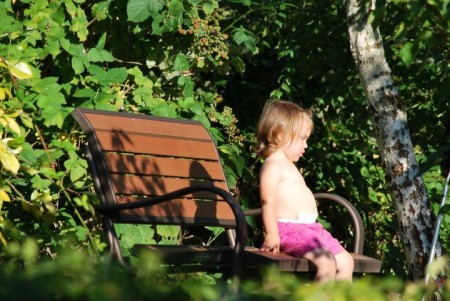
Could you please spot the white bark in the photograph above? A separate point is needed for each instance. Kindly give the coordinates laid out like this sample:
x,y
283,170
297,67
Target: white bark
x,y
394,140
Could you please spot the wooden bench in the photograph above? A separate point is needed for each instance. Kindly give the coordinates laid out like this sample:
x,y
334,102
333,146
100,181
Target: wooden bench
x,y
153,170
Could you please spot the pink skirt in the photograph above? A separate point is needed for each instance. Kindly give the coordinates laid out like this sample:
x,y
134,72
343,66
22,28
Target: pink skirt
x,y
298,239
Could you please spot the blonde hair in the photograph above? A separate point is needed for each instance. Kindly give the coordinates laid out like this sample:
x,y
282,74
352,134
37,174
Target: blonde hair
x,y
278,123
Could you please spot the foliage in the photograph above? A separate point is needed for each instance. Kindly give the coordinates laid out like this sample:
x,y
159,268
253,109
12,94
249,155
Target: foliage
x,y
304,56
213,61
58,55
76,275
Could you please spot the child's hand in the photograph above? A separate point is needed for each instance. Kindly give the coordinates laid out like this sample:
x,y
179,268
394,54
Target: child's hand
x,y
271,243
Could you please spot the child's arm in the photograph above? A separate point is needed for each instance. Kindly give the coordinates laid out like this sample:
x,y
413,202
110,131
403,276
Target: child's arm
x,y
269,179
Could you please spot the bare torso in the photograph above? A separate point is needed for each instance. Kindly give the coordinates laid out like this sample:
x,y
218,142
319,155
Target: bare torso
x,y
293,196
290,195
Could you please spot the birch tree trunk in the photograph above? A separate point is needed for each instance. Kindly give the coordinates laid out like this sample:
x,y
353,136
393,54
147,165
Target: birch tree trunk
x,y
396,150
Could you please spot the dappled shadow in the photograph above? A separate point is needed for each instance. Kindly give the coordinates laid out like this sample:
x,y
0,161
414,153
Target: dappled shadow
x,y
207,202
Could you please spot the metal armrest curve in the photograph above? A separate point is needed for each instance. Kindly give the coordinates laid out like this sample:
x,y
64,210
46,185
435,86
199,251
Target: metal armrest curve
x,y
354,214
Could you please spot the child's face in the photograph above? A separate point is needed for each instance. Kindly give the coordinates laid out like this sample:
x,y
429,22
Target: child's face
x,y
297,147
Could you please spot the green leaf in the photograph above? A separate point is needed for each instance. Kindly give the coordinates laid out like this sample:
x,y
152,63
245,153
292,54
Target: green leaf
x,y
141,10
208,7
54,114
117,75
181,63
169,232
79,25
243,2
97,55
155,6
164,109
188,89
77,64
203,119
78,173
134,234
84,93
30,252
406,53
137,10
4,197
29,155
196,108
9,161
176,8
100,10
114,75
21,70
9,25
186,102
243,36
13,125
101,42
76,166
80,233
157,25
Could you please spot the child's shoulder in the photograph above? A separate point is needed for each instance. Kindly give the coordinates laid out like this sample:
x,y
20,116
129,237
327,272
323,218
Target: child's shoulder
x,y
275,162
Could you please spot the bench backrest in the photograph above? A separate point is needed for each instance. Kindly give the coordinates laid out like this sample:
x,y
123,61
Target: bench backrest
x,y
138,156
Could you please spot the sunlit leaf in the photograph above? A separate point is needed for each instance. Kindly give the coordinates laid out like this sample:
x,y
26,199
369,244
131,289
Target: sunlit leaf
x,y
2,93
4,196
21,70
13,125
9,162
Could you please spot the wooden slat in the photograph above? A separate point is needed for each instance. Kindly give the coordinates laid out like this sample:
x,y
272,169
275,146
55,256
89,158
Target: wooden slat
x,y
168,167
183,211
193,258
288,263
151,186
191,254
157,145
365,264
144,125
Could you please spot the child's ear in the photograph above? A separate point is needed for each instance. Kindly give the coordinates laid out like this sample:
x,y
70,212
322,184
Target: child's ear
x,y
280,139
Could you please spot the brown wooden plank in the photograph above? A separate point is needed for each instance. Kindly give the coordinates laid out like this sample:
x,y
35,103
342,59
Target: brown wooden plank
x,y
157,145
148,125
169,167
192,258
191,254
365,264
151,186
255,257
184,211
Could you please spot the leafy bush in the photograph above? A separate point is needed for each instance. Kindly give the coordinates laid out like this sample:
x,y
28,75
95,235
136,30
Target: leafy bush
x,y
75,275
217,62
55,56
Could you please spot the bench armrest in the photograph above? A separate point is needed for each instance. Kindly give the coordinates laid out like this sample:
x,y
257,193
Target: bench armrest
x,y
241,226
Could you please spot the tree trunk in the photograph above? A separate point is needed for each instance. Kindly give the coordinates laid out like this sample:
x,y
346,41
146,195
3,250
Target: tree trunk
x,y
407,189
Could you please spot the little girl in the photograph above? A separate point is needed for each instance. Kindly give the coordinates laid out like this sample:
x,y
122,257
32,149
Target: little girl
x,y
289,210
